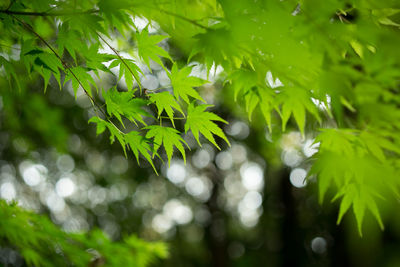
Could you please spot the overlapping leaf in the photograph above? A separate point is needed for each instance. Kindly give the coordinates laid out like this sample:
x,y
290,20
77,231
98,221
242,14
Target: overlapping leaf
x,y
102,125
114,13
89,25
125,104
166,101
80,77
245,83
44,63
95,60
129,70
138,144
295,102
69,40
148,48
352,162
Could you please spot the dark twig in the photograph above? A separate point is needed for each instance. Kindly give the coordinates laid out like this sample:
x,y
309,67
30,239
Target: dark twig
x,y
49,14
65,65
11,4
122,60
184,18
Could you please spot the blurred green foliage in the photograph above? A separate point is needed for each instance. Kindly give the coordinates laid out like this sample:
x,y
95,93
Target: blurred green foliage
x,y
329,68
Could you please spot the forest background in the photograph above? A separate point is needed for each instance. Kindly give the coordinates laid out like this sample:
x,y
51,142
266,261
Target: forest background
x,y
224,133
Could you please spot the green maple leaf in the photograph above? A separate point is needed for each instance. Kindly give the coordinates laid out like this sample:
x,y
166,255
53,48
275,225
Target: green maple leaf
x,y
337,140
266,105
331,169
183,84
125,104
69,40
139,144
148,48
296,102
166,101
217,46
95,59
129,70
361,197
102,125
245,83
87,25
50,65
45,64
168,137
243,80
352,161
79,76
252,99
201,121
115,16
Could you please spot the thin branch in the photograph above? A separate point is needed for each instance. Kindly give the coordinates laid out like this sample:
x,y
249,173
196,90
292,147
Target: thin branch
x,y
122,60
175,118
183,18
54,7
157,89
49,14
65,65
94,103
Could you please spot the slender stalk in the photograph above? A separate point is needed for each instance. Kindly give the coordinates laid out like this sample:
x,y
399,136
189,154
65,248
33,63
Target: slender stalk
x,y
65,65
175,118
122,60
49,14
184,18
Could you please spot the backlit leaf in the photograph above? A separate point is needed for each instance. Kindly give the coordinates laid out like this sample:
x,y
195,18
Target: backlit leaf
x,y
201,121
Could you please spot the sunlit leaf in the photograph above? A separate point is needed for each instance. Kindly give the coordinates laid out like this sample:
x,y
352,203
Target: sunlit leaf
x,y
169,138
201,121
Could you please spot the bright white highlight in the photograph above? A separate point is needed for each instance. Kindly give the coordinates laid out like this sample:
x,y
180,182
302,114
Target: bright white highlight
x,y
177,212
297,177
176,173
270,81
33,174
7,191
65,187
252,176
309,148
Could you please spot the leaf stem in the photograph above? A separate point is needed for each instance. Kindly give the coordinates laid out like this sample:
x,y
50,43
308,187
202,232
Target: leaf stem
x,y
176,118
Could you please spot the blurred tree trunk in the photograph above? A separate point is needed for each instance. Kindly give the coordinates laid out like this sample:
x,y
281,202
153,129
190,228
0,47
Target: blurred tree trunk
x,y
215,231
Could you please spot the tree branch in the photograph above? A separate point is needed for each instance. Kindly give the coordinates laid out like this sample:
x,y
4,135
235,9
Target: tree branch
x,y
65,65
122,60
49,14
184,18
